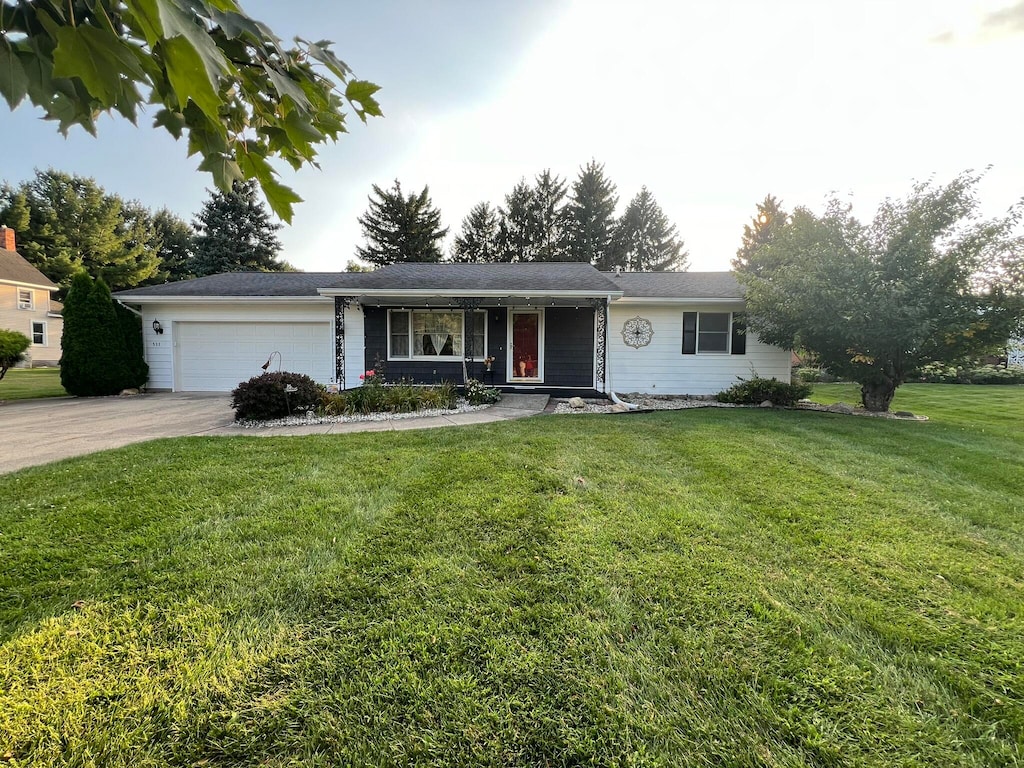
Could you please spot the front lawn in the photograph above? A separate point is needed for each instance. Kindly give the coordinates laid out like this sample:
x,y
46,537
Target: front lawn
x,y
29,383
694,588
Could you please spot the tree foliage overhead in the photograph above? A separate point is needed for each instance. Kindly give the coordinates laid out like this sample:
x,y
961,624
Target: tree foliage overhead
x,y
644,240
400,227
927,280
590,216
234,233
217,76
478,240
68,223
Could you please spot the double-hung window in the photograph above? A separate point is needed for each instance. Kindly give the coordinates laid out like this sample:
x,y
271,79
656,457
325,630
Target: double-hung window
x,y
714,332
415,334
39,333
25,298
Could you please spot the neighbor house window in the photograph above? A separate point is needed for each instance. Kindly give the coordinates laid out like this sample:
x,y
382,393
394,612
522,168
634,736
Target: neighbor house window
x,y
25,298
424,334
713,332
39,333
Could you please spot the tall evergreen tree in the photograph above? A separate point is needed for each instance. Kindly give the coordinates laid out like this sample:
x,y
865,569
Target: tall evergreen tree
x,y
400,227
137,369
516,232
66,223
234,233
770,219
478,240
591,217
645,240
548,219
94,359
176,240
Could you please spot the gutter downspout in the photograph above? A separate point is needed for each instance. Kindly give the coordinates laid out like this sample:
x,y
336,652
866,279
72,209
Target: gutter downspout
x,y
608,368
133,311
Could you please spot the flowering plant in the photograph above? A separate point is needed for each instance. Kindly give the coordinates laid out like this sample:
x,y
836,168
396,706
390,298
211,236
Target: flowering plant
x,y
488,360
368,376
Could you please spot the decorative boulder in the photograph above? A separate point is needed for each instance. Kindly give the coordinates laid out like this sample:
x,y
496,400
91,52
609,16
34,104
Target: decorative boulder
x,y
619,408
577,403
767,404
841,408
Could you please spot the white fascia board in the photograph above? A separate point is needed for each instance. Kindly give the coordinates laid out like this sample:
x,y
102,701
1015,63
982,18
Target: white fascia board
x,y
20,284
676,300
221,299
428,293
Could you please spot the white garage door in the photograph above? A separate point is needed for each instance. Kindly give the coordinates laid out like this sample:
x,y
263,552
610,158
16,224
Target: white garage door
x,y
215,357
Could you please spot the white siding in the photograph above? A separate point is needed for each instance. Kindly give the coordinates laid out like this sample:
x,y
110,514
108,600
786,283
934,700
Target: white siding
x,y
355,347
661,368
160,349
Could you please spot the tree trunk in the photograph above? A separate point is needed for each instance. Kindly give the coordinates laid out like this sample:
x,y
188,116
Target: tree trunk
x,y
877,395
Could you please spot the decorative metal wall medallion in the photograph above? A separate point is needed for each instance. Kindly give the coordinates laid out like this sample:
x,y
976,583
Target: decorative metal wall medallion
x,y
637,332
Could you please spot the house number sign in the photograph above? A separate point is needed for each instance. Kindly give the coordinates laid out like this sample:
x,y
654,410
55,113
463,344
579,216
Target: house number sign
x,y
637,332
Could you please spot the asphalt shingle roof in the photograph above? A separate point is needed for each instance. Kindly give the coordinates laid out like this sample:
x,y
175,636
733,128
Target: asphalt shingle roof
x,y
15,269
240,284
540,277
678,285
546,276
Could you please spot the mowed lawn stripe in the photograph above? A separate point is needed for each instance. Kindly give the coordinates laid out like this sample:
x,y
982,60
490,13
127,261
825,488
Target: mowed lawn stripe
x,y
733,587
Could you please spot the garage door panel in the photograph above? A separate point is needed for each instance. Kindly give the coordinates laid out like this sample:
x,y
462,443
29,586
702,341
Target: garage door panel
x,y
216,356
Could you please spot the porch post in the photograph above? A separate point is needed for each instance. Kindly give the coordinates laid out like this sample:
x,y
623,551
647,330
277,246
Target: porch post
x,y
601,341
340,304
468,307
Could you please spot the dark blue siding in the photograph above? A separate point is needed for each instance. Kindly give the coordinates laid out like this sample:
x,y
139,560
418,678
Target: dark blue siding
x,y
568,350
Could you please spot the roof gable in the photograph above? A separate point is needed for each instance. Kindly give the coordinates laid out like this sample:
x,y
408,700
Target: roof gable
x,y
15,269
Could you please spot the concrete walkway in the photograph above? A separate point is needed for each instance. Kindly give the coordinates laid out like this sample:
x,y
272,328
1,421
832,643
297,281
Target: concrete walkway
x,y
34,432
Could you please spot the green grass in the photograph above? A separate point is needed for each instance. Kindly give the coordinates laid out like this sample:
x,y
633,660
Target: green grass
x,y
697,588
30,383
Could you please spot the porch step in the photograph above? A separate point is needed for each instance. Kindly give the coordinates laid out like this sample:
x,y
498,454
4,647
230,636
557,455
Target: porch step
x,y
519,402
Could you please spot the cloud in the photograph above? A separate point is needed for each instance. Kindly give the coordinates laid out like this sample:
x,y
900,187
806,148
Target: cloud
x,y
946,38
1008,20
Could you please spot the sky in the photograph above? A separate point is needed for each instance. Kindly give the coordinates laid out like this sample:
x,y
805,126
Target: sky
x,y
711,105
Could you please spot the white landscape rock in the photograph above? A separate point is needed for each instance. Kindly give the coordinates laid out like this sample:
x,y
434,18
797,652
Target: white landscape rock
x,y
577,403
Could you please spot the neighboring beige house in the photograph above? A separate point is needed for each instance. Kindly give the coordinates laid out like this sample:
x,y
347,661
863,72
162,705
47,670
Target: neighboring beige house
x,y
27,304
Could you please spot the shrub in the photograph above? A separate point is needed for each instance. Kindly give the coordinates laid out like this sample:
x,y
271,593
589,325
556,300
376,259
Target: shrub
x,y
756,390
994,374
263,397
478,393
939,373
12,349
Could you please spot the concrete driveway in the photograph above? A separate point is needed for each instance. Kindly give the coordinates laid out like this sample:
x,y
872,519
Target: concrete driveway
x,y
40,431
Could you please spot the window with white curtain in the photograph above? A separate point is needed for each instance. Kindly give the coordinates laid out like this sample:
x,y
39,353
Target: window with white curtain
x,y
415,334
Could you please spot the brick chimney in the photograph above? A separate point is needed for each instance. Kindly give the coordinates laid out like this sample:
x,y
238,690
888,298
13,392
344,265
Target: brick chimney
x,y
7,238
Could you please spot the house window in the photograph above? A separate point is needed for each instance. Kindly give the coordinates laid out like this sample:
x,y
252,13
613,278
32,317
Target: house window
x,y
712,332
25,298
39,333
428,335
478,346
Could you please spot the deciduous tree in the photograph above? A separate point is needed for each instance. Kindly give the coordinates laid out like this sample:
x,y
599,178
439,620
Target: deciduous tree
x,y
927,280
68,223
217,76
12,349
234,233
400,227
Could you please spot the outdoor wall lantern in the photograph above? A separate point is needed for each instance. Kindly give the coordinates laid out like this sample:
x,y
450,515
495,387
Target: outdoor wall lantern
x,y
157,328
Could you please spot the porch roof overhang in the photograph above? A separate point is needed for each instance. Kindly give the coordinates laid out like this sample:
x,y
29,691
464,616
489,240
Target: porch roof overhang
x,y
429,297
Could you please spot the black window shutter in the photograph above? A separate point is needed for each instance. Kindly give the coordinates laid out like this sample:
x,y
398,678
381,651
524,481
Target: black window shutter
x,y
739,334
689,333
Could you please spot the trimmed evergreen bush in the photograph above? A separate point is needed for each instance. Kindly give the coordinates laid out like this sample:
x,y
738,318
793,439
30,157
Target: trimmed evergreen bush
x,y
131,332
262,398
756,390
12,349
95,358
